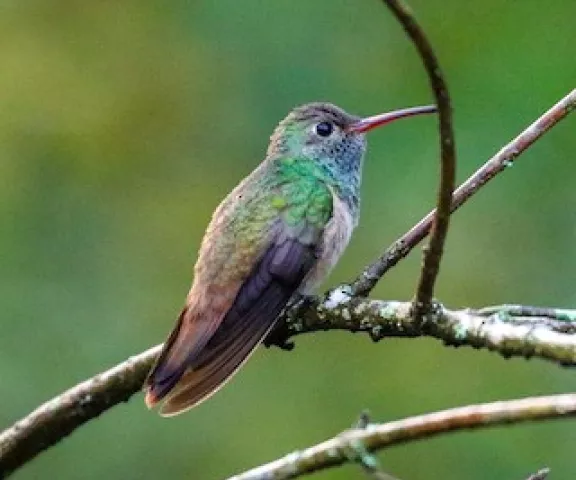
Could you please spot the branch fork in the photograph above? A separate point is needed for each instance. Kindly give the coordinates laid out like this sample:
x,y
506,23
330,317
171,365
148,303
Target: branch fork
x,y
511,330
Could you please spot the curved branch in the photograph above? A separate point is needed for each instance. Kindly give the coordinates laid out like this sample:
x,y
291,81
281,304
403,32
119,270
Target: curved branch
x,y
495,165
350,444
509,330
54,420
433,253
540,474
57,418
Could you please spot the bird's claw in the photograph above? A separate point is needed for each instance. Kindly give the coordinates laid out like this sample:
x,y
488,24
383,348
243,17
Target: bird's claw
x,y
280,334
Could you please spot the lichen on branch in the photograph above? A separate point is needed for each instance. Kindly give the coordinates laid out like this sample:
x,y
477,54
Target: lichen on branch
x,y
510,330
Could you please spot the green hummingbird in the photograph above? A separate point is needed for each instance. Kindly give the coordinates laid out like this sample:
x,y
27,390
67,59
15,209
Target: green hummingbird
x,y
277,234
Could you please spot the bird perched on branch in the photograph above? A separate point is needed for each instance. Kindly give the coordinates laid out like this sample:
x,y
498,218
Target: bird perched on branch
x,y
278,233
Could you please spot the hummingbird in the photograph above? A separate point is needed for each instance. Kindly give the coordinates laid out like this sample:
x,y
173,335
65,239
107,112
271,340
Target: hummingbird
x,y
276,235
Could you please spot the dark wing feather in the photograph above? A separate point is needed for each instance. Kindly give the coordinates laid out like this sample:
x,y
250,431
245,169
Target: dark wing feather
x,y
186,340
258,303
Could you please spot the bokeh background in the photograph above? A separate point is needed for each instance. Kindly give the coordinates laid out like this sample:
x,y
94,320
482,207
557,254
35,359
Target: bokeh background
x,y
123,124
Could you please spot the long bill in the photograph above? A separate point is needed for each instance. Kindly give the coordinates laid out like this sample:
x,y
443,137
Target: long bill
x,y
369,123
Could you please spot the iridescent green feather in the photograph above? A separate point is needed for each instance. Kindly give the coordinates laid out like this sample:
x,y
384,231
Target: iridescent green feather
x,y
290,190
302,196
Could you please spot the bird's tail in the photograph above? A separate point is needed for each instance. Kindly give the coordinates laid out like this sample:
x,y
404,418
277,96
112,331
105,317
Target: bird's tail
x,y
195,364
184,343
208,345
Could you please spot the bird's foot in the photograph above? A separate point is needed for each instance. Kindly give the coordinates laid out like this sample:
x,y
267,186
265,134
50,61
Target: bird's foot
x,y
280,334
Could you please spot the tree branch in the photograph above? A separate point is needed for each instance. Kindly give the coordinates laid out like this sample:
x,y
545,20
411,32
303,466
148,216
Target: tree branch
x,y
57,418
509,330
499,162
337,450
540,474
433,253
542,332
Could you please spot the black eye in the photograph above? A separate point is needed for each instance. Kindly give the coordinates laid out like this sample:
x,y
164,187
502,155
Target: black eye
x,y
324,129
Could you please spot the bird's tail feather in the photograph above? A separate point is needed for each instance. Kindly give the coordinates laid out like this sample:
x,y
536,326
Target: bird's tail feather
x,y
185,342
228,349
207,348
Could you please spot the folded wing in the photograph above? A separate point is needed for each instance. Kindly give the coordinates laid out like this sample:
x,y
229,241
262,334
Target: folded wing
x,y
196,362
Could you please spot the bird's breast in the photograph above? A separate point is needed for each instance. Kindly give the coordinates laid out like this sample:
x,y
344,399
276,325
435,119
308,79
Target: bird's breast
x,y
335,239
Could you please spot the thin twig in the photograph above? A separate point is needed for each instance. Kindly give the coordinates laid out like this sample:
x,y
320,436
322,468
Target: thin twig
x,y
435,248
54,420
540,474
527,335
499,162
41,429
551,337
374,437
368,461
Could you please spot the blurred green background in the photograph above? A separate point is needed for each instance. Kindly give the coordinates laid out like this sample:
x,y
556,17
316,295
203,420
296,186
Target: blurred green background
x,y
123,124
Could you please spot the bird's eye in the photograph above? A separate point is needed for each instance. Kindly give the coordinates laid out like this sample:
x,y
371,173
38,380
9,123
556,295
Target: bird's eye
x,y
324,129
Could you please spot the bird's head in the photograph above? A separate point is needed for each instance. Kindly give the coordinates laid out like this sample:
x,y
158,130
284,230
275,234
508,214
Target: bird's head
x,y
325,132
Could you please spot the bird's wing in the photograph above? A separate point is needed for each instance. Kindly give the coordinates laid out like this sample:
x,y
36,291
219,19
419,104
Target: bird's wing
x,y
260,300
210,342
